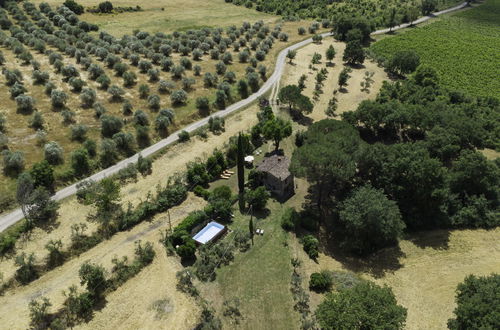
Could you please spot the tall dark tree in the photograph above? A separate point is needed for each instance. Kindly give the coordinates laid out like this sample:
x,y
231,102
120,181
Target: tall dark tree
x,y
326,159
370,220
240,164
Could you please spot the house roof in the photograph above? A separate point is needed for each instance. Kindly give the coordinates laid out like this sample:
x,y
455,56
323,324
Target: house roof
x,y
275,165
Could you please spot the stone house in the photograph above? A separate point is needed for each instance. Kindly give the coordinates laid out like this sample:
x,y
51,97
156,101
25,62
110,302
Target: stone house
x,y
277,177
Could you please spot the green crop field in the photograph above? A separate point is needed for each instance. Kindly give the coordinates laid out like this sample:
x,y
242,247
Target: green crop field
x,y
464,48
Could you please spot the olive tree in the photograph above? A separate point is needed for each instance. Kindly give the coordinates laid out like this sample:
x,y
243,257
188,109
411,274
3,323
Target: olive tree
x,y
88,97
178,97
25,104
53,153
58,98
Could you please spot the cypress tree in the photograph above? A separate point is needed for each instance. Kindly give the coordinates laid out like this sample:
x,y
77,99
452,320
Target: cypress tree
x,y
250,225
241,169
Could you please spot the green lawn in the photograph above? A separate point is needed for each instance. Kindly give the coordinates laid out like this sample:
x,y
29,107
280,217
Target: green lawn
x,y
464,48
260,277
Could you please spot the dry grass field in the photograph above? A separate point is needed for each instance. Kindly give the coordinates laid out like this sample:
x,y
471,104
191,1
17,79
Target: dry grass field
x,y
170,15
423,271
347,100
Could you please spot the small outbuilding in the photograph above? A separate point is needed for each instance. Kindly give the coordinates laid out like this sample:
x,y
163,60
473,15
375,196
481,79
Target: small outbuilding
x,y
277,177
210,233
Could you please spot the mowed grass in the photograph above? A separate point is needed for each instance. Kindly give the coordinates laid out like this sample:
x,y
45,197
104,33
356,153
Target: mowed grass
x,y
260,277
464,48
169,15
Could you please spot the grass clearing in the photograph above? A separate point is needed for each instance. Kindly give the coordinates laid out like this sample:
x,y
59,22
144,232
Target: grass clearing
x,y
464,48
169,15
431,264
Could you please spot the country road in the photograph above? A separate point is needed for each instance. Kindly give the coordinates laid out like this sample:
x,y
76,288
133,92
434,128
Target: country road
x,y
11,218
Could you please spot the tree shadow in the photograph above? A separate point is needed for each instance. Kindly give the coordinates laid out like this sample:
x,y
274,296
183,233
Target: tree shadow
x,y
377,264
356,66
261,214
436,239
49,225
300,118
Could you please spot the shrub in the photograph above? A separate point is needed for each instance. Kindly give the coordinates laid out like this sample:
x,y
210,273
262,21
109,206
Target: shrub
x,y
3,122
116,93
187,83
154,75
216,124
257,198
105,7
110,125
220,99
165,86
197,70
74,6
154,102
88,97
127,108
53,153
109,154
58,98
210,80
68,116
125,142
321,282
186,63
80,162
202,103
79,132
40,77
290,219
143,91
311,244
13,162
91,147
104,81
177,71
183,136
142,136
141,118
178,97
220,68
129,79
163,120
25,104
99,109
27,271
144,165
37,121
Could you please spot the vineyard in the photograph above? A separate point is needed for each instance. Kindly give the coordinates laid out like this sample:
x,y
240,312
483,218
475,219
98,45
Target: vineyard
x,y
464,48
82,99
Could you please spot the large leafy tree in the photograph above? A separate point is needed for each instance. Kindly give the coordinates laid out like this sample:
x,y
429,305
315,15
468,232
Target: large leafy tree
x,y
478,303
354,53
326,159
276,130
370,220
365,306
291,95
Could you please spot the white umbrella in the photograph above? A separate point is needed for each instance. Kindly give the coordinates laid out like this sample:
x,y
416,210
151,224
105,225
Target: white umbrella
x,y
249,159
